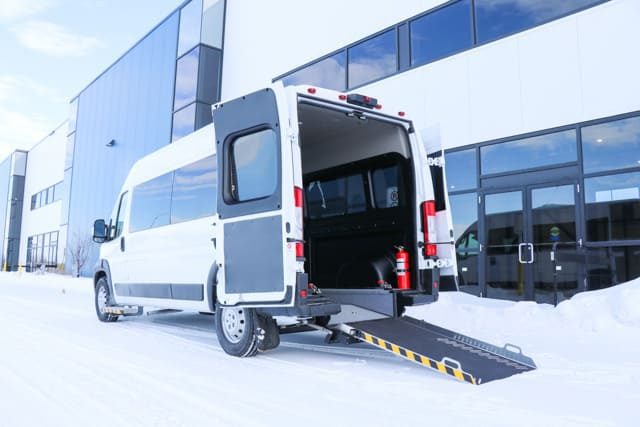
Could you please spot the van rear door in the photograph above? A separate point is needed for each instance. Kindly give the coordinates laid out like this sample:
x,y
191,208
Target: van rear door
x,y
255,200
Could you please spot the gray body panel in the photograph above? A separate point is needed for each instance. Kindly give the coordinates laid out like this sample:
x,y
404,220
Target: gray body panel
x,y
253,255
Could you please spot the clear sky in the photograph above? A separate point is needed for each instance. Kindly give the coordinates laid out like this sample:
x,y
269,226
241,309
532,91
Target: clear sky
x,y
52,49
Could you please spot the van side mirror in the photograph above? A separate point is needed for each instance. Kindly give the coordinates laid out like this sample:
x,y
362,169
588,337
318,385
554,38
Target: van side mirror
x,y
99,231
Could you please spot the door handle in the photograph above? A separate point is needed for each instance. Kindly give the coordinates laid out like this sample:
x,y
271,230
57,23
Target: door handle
x,y
520,259
530,245
122,244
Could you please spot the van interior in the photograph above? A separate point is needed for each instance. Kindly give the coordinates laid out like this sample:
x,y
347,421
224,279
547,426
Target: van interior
x,y
358,182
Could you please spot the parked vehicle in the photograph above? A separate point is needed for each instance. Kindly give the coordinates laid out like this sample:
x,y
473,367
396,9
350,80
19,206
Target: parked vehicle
x,y
301,200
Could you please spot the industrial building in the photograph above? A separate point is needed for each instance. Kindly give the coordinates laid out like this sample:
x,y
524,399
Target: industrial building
x,y
536,105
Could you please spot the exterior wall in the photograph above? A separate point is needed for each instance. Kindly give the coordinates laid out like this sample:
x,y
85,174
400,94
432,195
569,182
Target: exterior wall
x,y
5,181
282,35
559,73
45,168
13,170
130,104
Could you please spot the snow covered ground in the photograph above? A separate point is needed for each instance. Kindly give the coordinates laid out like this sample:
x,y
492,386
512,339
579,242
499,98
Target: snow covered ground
x,y
59,366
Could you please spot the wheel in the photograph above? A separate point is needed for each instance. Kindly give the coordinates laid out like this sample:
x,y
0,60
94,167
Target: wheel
x,y
236,330
103,299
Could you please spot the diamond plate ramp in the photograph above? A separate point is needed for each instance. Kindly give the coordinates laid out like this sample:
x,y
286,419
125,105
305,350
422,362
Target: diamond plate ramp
x,y
448,352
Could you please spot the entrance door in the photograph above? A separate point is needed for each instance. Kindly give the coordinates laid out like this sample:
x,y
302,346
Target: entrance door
x,y
530,242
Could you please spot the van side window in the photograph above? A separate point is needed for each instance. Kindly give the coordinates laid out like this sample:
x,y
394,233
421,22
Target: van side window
x,y
386,187
194,190
119,221
151,203
254,160
334,197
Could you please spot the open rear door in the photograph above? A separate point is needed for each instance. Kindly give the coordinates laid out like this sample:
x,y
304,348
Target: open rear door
x,y
254,205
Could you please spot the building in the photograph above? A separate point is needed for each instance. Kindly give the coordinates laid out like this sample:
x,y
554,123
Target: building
x,y
536,104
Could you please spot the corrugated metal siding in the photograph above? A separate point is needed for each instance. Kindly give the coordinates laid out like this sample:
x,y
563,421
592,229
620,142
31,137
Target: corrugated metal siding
x,y
131,104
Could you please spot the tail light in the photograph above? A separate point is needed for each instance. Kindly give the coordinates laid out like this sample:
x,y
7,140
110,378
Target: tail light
x,y
429,228
298,198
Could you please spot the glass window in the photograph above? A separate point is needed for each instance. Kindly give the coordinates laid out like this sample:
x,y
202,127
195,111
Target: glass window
x,y
461,170
73,116
373,59
151,203
612,207
387,190
65,195
498,18
119,220
212,22
255,165
340,196
613,145
186,79
329,73
534,152
57,192
34,200
441,33
50,194
190,20
183,122
609,266
194,190
71,143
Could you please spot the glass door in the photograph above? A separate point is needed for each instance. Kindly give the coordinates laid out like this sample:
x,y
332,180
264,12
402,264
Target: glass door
x,y
503,257
555,240
531,243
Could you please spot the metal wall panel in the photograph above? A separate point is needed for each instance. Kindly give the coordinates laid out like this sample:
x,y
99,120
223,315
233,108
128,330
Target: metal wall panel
x,y
131,104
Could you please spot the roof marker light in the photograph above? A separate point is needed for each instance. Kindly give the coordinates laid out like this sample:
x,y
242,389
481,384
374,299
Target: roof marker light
x,y
342,97
378,107
401,113
311,90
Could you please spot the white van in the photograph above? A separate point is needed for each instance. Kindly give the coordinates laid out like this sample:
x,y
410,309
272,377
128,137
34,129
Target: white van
x,y
297,203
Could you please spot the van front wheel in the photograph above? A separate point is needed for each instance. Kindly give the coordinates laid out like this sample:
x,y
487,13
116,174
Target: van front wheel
x,y
236,330
102,299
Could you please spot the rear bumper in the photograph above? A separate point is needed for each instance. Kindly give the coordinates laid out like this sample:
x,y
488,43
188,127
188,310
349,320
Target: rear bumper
x,y
388,302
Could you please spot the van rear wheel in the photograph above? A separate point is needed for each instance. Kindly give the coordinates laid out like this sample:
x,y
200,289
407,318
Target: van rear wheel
x,y
236,330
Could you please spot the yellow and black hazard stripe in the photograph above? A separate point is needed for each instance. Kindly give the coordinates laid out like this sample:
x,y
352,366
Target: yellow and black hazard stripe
x,y
418,358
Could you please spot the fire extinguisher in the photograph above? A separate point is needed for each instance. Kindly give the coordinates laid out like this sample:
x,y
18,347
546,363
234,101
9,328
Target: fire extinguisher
x,y
403,268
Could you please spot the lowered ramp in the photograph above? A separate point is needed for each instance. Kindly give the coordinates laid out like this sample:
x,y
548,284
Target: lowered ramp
x,y
442,350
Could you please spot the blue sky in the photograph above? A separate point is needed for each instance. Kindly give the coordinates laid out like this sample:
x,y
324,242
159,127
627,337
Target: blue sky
x,y
51,49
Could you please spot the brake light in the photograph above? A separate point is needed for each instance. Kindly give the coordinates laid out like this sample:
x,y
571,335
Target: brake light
x,y
299,250
429,228
298,197
298,202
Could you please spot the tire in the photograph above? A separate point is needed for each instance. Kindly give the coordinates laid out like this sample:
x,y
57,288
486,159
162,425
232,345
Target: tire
x,y
236,330
102,298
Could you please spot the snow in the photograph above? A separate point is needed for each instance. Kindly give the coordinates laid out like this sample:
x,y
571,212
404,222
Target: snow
x,y
59,366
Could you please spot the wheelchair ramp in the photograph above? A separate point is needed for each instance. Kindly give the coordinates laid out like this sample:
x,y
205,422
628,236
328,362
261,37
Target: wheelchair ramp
x,y
442,350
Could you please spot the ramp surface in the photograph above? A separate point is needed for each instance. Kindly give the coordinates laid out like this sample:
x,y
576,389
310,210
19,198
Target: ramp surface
x,y
445,351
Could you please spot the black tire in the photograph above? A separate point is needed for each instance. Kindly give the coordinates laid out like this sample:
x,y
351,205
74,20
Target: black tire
x,y
236,330
102,298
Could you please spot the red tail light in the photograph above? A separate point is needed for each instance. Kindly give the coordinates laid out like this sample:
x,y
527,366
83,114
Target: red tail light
x,y
342,97
298,196
299,249
311,90
429,228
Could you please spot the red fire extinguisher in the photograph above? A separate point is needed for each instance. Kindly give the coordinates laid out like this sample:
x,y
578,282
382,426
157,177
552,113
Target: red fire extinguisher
x,y
403,268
